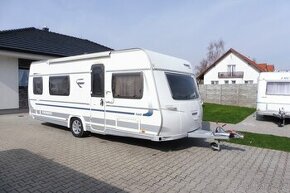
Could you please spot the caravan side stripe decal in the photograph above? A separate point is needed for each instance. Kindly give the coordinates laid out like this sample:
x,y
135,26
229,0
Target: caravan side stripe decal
x,y
147,114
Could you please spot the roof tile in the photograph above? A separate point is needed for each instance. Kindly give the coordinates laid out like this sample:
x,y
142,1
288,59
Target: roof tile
x,y
260,67
39,41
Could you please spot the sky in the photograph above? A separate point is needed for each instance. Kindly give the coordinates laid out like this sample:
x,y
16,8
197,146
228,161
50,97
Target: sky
x,y
259,29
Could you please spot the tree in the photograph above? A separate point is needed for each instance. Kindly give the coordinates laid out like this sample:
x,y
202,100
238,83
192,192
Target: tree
x,y
214,51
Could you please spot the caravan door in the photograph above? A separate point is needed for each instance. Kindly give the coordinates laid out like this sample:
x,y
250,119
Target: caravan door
x,y
97,118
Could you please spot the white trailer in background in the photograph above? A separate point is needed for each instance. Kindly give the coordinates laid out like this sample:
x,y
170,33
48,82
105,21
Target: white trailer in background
x,y
133,93
273,98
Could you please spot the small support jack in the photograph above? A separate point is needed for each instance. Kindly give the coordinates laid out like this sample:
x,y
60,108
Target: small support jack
x,y
281,115
215,145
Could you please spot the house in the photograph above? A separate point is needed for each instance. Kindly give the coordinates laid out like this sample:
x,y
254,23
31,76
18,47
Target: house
x,y
233,68
20,47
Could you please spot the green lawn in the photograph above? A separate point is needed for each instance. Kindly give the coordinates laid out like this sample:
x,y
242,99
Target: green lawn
x,y
225,113
264,141
234,114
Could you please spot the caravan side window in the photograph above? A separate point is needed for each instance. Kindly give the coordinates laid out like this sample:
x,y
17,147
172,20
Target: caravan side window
x,y
98,80
37,85
278,88
59,85
127,85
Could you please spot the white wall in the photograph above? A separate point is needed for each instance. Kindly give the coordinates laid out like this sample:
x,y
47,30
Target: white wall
x,y
249,72
8,83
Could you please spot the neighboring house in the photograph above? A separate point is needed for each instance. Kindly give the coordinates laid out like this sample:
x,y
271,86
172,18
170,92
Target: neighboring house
x,y
233,68
20,47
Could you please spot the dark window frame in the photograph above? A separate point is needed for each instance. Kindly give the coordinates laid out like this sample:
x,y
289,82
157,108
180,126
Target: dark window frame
x,y
126,74
102,93
171,91
34,86
27,70
49,86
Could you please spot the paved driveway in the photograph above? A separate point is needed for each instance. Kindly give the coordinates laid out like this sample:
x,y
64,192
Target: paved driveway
x,y
37,157
265,125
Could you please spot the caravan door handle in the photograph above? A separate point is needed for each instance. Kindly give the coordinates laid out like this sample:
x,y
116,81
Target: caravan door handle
x,y
171,108
102,102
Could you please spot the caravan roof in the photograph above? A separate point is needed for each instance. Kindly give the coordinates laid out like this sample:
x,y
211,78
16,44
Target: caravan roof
x,y
275,76
135,58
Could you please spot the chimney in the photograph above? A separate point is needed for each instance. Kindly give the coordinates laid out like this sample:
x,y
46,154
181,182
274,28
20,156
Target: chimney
x,y
45,28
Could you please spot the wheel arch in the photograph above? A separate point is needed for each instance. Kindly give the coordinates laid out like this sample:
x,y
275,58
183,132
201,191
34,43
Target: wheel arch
x,y
79,117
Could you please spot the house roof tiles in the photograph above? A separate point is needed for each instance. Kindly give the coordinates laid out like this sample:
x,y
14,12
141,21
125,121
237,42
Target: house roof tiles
x,y
259,67
33,40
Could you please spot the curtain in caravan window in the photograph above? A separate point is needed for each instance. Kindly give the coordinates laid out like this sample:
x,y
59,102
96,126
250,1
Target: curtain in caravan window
x,y
129,85
59,85
37,85
278,88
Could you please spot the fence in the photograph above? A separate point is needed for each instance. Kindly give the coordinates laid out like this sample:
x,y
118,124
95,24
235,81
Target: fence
x,y
230,94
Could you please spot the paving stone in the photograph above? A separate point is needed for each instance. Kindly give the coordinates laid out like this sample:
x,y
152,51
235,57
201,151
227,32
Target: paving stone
x,y
36,157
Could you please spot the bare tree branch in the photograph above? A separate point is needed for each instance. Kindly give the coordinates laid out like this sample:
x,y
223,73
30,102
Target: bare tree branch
x,y
214,50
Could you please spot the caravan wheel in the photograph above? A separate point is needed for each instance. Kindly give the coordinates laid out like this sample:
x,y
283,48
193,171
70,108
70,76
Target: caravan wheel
x,y
76,127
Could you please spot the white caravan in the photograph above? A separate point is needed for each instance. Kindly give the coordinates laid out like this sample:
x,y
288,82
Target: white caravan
x,y
134,93
273,96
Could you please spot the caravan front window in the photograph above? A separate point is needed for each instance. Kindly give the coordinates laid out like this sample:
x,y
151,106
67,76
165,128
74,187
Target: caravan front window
x,y
182,87
278,88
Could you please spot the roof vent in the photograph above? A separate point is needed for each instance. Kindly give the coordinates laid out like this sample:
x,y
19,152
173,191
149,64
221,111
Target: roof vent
x,y
45,28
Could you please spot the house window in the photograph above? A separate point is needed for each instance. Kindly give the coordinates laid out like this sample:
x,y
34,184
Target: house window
x,y
23,74
278,88
214,82
127,85
37,85
231,68
59,85
233,82
249,81
226,82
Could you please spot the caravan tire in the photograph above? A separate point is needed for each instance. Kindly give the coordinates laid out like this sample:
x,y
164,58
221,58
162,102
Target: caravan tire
x,y
76,127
